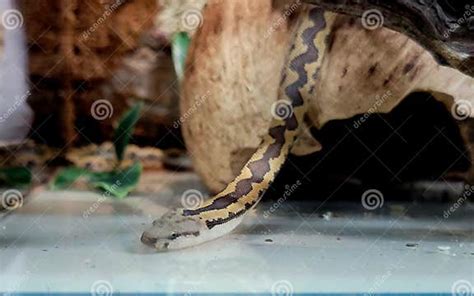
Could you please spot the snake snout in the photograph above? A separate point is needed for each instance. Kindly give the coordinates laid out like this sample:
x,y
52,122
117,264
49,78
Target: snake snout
x,y
173,231
147,239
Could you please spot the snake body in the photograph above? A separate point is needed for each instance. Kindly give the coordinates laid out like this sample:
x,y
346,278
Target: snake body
x,y
219,215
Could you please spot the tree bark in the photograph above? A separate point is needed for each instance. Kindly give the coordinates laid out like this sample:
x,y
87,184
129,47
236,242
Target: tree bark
x,y
445,29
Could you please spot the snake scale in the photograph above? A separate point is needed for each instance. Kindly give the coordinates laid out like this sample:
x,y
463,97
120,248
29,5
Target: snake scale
x,y
181,228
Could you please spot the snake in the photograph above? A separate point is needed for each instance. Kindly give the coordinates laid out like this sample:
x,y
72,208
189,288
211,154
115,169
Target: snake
x,y
185,227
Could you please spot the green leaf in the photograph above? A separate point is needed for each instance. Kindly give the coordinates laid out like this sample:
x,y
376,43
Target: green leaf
x,y
66,177
124,130
15,176
117,183
179,50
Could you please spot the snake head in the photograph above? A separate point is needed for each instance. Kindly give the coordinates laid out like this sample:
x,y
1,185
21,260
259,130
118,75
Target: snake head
x,y
174,231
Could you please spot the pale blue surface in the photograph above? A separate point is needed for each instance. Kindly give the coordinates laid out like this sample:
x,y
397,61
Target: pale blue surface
x,y
48,246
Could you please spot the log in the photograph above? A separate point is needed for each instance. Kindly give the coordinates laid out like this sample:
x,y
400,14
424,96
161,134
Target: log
x,y
234,71
444,29
234,66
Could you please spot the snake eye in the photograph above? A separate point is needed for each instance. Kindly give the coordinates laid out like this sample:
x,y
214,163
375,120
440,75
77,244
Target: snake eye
x,y
174,235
